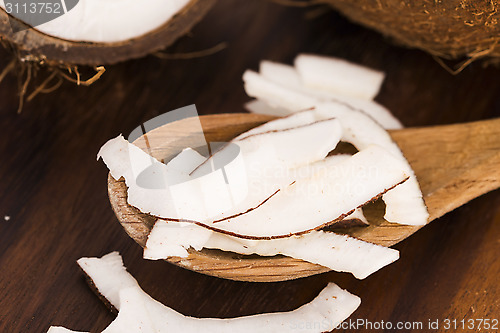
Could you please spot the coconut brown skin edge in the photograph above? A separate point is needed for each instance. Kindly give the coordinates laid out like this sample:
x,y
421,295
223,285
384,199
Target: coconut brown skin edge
x,y
450,29
33,45
447,179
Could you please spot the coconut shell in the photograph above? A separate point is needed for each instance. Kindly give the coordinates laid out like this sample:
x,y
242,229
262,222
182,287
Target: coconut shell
x,y
33,45
450,29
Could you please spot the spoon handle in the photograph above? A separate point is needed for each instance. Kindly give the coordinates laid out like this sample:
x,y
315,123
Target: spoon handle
x,y
454,163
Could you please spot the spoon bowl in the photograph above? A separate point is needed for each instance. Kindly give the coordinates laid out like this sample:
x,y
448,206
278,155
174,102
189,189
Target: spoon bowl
x,y
453,164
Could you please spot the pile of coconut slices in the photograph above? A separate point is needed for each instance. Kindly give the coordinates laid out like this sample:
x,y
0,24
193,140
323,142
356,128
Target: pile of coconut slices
x,y
269,191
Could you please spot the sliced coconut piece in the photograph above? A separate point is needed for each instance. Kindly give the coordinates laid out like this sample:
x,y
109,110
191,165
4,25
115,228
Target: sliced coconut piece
x,y
59,329
282,74
172,239
294,120
138,312
108,275
404,204
141,313
261,107
227,183
268,153
104,21
337,252
338,76
283,95
325,197
164,189
275,94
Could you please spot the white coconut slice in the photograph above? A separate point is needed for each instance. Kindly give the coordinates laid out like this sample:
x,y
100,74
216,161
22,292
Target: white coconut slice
x,y
141,313
261,107
108,275
286,96
268,152
290,121
337,252
276,95
404,204
107,21
225,185
173,239
138,312
338,76
313,202
282,74
153,185
59,329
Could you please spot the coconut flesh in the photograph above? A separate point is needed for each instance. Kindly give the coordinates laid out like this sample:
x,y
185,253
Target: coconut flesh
x,y
275,187
139,312
363,125
282,183
108,21
316,79
275,199
174,238
337,252
92,32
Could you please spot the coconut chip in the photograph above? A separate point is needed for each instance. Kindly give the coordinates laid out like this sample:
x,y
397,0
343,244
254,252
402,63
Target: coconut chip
x,y
404,204
333,191
138,312
257,172
282,85
338,76
337,252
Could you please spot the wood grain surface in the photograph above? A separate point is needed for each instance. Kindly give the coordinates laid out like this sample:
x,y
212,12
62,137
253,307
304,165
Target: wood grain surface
x,y
55,194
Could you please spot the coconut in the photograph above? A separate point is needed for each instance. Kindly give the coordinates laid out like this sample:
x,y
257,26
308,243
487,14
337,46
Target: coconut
x,y
139,312
278,203
280,90
337,252
59,329
95,33
404,203
258,170
316,80
338,76
448,29
312,202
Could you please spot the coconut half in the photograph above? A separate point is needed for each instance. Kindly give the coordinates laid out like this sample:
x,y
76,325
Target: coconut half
x,y
138,312
93,32
448,29
105,21
337,252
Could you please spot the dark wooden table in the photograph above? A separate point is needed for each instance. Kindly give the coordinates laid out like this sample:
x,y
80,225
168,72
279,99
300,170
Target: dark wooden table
x,y
55,192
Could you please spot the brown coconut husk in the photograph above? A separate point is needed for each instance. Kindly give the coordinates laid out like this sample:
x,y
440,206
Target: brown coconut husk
x,y
449,29
35,46
465,30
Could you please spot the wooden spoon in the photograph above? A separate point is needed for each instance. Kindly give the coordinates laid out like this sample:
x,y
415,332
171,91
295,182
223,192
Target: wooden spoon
x,y
454,164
